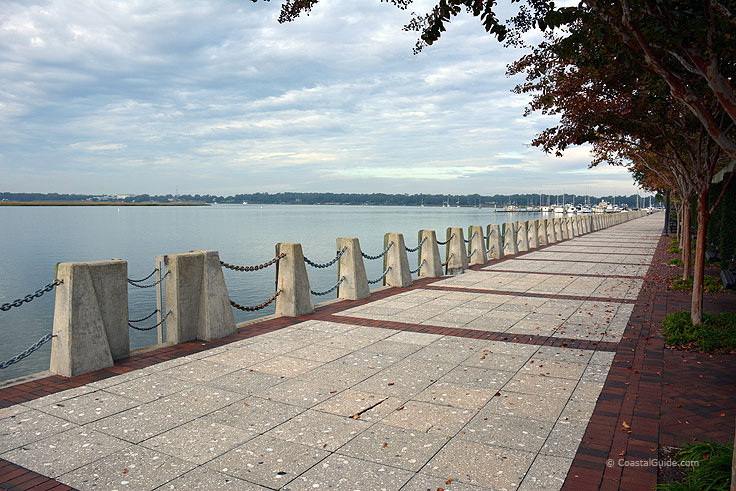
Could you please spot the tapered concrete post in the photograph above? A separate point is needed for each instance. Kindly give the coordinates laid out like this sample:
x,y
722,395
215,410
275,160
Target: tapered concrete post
x,y
197,297
90,317
522,236
351,267
495,241
456,254
558,229
570,227
291,279
551,231
510,246
477,244
542,232
429,254
531,229
397,260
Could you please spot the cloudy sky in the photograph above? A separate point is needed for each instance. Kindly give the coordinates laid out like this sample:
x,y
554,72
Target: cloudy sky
x,y
217,97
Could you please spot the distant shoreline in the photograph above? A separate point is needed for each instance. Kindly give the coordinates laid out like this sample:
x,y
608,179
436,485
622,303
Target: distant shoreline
x,y
92,203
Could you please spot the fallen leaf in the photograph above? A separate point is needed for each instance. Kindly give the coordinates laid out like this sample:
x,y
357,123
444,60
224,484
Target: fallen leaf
x,y
125,471
448,481
400,408
384,445
245,404
390,383
625,425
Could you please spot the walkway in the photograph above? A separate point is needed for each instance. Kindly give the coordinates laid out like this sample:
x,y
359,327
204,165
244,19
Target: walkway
x,y
485,380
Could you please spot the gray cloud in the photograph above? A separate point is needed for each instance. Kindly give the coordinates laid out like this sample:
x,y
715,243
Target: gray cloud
x,y
218,97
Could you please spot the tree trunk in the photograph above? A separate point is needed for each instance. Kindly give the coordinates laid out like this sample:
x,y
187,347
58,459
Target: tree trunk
x,y
685,242
696,310
679,223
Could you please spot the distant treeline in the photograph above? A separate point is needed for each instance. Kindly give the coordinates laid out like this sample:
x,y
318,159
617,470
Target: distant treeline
x,y
333,198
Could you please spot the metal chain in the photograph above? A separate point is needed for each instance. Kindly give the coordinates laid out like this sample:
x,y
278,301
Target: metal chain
x,y
253,268
28,298
27,351
378,256
471,254
330,290
445,242
373,282
257,307
153,326
489,250
327,264
471,237
143,279
413,271
486,237
448,259
409,249
144,318
152,284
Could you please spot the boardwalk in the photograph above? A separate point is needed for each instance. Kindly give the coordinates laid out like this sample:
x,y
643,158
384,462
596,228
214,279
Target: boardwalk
x,y
485,380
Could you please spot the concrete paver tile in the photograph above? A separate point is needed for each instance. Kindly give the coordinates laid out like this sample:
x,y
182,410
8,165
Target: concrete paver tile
x,y
507,431
340,472
29,426
430,418
89,407
204,479
546,473
254,414
246,381
319,430
142,422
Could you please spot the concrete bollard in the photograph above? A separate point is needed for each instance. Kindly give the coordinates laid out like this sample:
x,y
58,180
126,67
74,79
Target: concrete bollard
x,y
477,244
542,232
429,253
90,317
351,267
510,246
558,230
295,298
531,228
522,237
551,231
197,297
396,258
570,227
495,241
456,254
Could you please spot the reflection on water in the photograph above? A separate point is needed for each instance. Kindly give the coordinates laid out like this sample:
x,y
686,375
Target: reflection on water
x,y
36,238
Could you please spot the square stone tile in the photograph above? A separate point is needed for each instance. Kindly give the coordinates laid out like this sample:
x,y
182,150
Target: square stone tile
x,y
268,461
203,479
319,430
15,410
340,472
64,452
477,377
363,360
430,418
349,342
199,371
149,388
89,407
286,366
393,348
564,439
496,361
114,380
532,406
246,381
563,354
142,422
29,426
557,369
404,379
239,357
366,406
63,395
442,354
275,346
197,401
414,338
319,353
595,373
543,385
480,465
254,414
302,392
446,394
510,432
198,441
428,482
397,447
546,473
133,468
587,391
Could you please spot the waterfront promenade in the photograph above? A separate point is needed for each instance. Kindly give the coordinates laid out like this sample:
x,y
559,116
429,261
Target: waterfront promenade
x,y
485,380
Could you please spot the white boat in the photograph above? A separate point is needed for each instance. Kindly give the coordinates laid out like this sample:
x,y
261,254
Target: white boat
x,y
586,210
559,209
545,209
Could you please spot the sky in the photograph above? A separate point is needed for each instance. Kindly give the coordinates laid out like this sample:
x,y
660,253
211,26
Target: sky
x,y
158,97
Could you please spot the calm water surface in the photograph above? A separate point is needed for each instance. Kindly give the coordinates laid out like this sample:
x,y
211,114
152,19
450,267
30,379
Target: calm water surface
x,y
36,238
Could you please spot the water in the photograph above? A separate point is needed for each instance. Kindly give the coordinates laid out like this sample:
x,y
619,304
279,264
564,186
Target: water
x,y
36,238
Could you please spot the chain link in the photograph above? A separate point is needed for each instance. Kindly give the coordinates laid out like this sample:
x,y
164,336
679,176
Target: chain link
x,y
486,237
132,282
409,249
445,242
378,256
414,271
373,282
253,268
448,259
153,326
28,298
143,279
467,241
471,254
257,307
27,351
144,318
330,290
489,250
327,264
